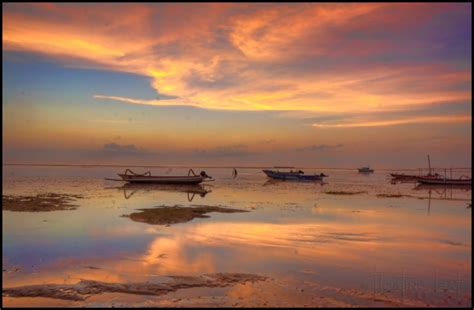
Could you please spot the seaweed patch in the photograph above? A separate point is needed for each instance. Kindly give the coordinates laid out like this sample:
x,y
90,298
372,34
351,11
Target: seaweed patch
x,y
166,215
87,288
40,202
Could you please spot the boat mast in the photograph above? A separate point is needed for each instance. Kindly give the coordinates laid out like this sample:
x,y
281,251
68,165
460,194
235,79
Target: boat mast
x,y
429,164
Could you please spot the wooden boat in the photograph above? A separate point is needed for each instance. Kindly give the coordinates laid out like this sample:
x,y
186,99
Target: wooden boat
x,y
403,177
365,170
293,175
191,178
412,177
445,181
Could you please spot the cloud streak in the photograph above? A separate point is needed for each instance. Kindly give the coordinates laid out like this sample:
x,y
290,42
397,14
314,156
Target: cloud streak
x,y
131,100
416,120
319,147
113,149
322,58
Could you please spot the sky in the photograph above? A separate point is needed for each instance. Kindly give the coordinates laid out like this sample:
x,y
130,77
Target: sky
x,y
305,84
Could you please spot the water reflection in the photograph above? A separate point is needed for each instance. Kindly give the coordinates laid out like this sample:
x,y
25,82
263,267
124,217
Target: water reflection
x,y
294,233
451,192
280,182
443,188
191,190
395,181
442,192
327,253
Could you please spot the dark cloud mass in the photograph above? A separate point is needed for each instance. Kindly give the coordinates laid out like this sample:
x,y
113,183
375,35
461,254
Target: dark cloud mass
x,y
318,147
114,147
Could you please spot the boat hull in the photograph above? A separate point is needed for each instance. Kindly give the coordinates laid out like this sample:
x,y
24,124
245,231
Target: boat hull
x,y
400,176
409,177
292,176
162,179
442,181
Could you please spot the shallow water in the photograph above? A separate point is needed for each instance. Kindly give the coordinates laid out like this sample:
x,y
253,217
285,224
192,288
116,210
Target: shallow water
x,y
316,248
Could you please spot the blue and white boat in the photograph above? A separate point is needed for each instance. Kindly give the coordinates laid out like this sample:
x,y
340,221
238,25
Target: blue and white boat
x,y
294,175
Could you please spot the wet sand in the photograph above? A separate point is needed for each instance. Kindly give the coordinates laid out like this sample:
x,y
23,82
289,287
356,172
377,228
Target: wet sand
x,y
303,245
86,288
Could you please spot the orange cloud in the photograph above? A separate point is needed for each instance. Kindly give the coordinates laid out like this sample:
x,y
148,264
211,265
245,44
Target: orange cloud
x,y
237,56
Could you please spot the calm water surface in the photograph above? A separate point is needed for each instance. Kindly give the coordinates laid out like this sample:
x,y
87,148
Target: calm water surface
x,y
316,248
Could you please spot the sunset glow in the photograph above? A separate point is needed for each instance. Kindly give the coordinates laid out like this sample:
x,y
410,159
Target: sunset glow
x,y
193,73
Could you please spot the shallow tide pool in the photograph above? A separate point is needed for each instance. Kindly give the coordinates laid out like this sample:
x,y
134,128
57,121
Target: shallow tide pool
x,y
354,240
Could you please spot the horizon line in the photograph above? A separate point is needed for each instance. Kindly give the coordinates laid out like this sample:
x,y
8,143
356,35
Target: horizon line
x,y
212,167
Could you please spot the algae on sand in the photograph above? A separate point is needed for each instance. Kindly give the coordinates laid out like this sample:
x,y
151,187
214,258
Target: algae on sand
x,y
86,288
165,215
344,193
39,203
392,195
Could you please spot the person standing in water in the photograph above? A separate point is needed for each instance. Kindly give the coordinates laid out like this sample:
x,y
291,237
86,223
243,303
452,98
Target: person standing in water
x,y
234,173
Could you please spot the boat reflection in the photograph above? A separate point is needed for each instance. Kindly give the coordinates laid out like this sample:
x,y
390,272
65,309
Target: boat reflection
x,y
279,182
450,192
442,187
401,181
443,192
191,190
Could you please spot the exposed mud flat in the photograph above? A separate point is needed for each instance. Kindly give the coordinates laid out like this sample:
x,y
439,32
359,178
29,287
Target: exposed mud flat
x,y
344,193
290,228
270,293
40,202
87,288
166,215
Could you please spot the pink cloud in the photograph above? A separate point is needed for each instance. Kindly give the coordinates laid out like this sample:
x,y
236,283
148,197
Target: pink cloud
x,y
226,56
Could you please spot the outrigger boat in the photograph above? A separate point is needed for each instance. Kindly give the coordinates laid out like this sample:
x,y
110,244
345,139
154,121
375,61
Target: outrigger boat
x,y
411,177
293,175
191,178
464,180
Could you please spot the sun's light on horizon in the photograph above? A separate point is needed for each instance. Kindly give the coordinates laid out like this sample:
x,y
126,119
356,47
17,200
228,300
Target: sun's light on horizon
x,y
281,69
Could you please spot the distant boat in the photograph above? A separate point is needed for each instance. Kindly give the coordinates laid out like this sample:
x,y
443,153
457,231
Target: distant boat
x,y
294,175
403,177
365,170
132,177
412,177
445,181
